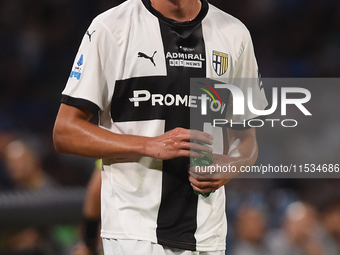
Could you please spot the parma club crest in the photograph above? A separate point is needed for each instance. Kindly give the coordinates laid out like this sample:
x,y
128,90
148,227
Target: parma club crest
x,y
220,62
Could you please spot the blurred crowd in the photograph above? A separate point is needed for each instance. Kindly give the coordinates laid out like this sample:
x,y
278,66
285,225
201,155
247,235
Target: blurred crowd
x,y
304,231
300,38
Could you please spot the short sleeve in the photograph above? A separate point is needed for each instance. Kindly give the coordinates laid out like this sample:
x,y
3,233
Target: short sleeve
x,y
87,85
246,76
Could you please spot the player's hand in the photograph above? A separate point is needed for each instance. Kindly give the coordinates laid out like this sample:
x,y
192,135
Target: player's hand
x,y
204,182
205,185
176,143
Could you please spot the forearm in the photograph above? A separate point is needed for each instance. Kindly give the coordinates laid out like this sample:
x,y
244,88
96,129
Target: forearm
x,y
92,201
92,141
243,151
75,135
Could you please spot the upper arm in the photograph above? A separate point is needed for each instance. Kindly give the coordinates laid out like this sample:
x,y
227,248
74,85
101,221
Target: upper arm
x,y
68,114
234,134
243,143
68,117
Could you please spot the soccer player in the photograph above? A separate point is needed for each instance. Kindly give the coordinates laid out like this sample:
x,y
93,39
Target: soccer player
x,y
134,66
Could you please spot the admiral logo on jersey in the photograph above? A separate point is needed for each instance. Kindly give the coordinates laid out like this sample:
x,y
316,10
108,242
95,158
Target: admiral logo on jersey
x,y
77,69
185,59
220,62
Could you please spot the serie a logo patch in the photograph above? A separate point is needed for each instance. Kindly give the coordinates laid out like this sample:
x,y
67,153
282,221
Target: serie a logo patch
x,y
76,73
220,62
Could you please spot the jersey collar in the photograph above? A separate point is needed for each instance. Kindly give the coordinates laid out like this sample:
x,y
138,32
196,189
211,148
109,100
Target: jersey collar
x,y
203,12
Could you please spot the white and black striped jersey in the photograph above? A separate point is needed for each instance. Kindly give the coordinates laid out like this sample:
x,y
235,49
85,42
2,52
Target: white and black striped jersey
x,y
134,66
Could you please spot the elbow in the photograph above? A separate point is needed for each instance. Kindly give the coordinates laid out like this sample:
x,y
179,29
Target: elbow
x,y
254,155
59,139
58,145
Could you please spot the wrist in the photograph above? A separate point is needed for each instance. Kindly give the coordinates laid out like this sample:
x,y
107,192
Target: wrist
x,y
147,147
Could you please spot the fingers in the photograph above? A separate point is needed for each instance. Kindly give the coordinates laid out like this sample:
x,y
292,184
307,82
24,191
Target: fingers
x,y
202,174
188,150
189,138
207,185
178,142
204,186
184,134
205,182
194,154
188,145
201,136
198,147
194,148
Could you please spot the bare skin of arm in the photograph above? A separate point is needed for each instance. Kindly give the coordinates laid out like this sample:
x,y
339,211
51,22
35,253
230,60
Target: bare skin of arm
x,y
91,211
74,134
92,202
243,151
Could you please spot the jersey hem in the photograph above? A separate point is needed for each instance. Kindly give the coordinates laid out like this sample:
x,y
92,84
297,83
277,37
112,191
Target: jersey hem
x,y
192,247
219,247
184,246
109,235
177,245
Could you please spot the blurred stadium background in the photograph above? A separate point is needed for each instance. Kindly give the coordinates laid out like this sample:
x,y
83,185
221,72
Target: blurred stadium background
x,y
292,38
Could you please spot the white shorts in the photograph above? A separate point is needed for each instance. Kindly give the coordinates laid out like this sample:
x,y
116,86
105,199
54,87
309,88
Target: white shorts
x,y
139,247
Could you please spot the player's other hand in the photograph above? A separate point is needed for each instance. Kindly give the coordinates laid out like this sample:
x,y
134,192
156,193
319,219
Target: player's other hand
x,y
204,181
176,143
205,185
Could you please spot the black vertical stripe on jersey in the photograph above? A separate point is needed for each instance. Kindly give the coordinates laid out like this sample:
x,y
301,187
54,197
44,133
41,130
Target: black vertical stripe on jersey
x,y
177,215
